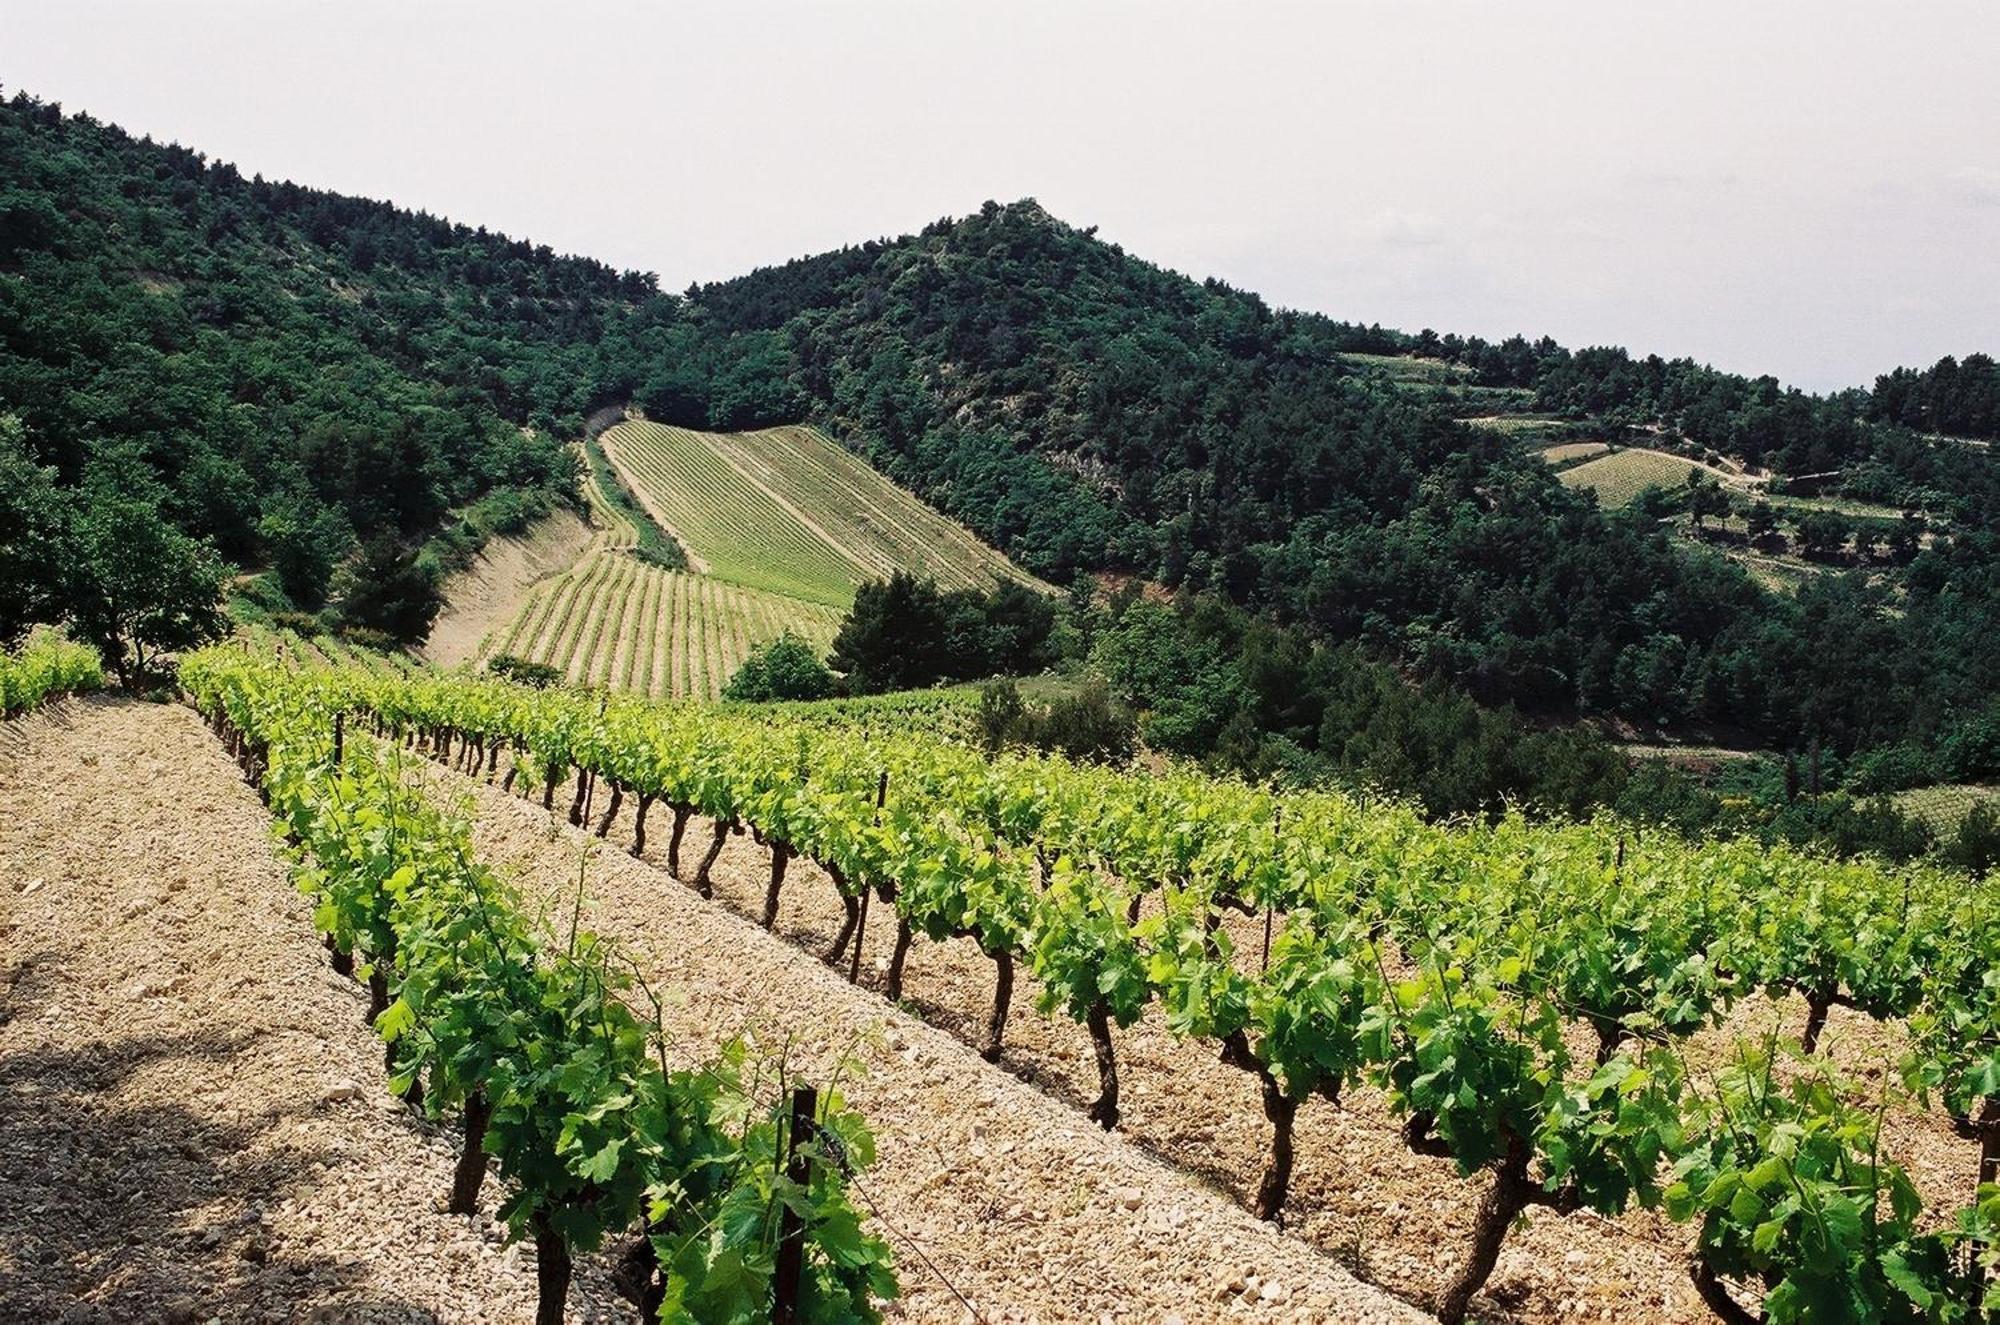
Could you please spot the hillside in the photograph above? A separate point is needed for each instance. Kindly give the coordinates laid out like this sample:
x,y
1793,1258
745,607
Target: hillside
x,y
776,528
295,373
784,509
338,397
1083,409
348,380
607,617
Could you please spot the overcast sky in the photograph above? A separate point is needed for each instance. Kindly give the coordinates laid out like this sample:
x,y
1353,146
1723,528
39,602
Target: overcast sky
x,y
1810,189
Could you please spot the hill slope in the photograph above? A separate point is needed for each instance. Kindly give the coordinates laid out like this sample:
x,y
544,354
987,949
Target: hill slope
x,y
612,619
778,527
785,509
303,375
1083,409
297,370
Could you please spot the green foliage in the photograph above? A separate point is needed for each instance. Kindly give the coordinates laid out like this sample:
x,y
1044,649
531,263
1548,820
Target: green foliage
x,y
1263,699
1705,497
1206,441
1790,1188
1180,681
1975,848
45,667
292,369
1823,534
34,523
1849,827
539,675
138,583
904,633
591,1130
387,590
1960,398
1083,723
304,373
1451,965
783,668
656,547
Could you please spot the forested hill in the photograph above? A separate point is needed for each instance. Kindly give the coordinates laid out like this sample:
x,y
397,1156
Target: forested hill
x,y
329,394
1086,409
299,380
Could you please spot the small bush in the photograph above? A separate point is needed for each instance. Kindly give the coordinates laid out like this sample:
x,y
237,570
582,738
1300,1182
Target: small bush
x,y
304,624
1848,827
1085,724
785,668
1976,848
539,675
367,637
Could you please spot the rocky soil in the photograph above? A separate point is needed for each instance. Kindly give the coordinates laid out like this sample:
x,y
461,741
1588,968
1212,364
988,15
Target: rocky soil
x,y
193,1126
192,1120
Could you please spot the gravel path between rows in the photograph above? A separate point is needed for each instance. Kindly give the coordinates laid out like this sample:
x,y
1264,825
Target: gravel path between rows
x,y
1021,1203
193,1125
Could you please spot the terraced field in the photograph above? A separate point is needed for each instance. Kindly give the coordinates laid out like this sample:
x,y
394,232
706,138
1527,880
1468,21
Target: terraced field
x,y
1619,477
789,511
613,620
1566,452
780,528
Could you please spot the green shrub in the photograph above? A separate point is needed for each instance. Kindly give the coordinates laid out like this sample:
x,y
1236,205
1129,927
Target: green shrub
x,y
1976,848
785,668
539,675
1085,724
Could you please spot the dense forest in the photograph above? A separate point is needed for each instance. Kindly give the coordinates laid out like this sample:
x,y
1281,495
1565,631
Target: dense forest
x,y
323,402
1087,410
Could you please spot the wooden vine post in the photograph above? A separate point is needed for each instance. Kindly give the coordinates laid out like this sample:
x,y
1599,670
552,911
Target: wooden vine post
x,y
1277,832
790,1269
861,923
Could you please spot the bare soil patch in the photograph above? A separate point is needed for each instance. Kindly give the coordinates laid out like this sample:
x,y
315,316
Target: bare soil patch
x,y
488,594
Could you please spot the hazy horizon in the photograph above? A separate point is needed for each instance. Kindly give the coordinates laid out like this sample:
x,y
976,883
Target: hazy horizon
x,y
1809,190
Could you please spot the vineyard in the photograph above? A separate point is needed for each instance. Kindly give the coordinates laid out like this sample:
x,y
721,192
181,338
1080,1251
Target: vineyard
x,y
788,511
779,528
1550,1008
1944,808
1620,476
536,1041
613,620
1566,453
47,666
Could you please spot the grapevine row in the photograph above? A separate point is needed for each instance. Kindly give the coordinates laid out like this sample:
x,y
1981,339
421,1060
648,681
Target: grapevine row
x,y
533,1042
1451,966
46,667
